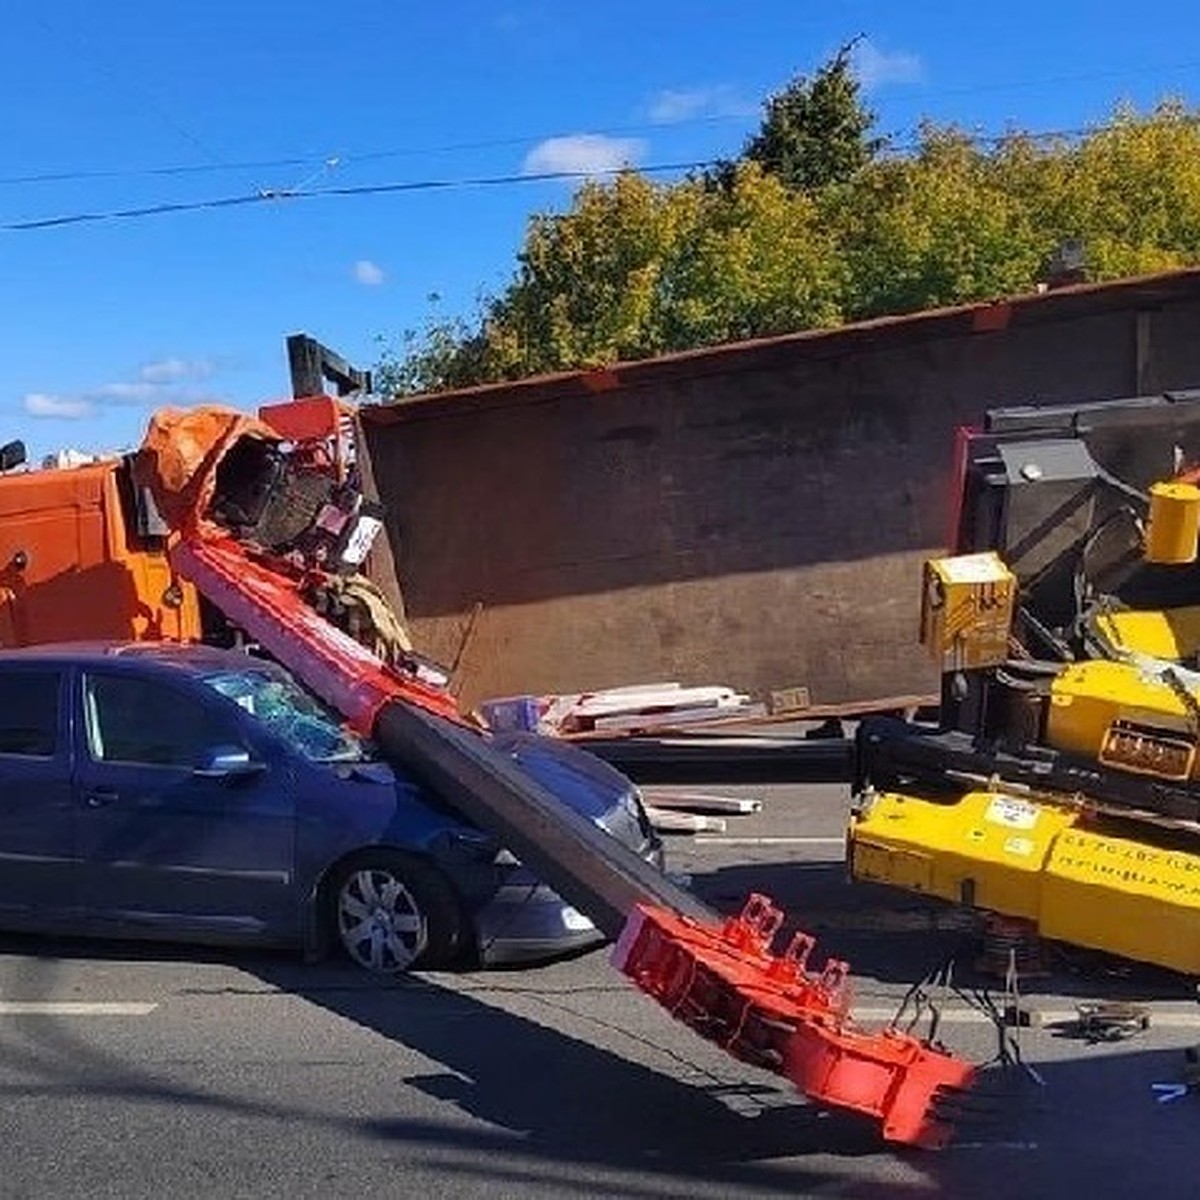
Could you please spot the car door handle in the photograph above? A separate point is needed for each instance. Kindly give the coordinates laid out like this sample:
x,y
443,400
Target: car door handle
x,y
99,797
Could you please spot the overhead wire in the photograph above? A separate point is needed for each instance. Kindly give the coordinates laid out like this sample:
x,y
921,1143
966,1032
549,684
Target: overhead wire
x,y
267,195
1071,77
325,166
325,160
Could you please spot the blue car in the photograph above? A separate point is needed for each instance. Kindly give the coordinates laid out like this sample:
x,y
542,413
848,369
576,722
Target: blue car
x,y
202,795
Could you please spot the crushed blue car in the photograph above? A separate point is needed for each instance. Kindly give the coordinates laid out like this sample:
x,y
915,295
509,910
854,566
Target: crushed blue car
x,y
192,794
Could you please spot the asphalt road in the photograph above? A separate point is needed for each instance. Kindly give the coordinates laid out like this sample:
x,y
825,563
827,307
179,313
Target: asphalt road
x,y
143,1071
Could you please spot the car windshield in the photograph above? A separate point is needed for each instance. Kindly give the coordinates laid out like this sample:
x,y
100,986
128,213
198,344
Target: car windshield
x,y
290,712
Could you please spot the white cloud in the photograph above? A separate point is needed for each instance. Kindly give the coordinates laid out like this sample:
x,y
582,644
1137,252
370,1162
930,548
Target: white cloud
x,y
154,395
166,381
171,370
127,393
877,68
583,154
670,107
42,404
367,273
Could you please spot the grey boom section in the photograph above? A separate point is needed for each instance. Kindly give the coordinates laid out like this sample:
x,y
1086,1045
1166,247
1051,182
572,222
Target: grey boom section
x,y
586,866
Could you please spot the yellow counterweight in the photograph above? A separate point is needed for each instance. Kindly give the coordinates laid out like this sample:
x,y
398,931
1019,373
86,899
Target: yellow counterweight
x,y
1034,860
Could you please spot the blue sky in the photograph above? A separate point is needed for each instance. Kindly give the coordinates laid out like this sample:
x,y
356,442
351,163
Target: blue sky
x,y
133,105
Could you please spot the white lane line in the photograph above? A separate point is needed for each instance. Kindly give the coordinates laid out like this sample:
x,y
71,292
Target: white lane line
x,y
75,1008
772,841
1049,1016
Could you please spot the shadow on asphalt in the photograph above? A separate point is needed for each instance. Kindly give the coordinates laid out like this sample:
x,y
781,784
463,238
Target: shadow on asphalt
x,y
549,1106
559,1099
898,937
1095,1128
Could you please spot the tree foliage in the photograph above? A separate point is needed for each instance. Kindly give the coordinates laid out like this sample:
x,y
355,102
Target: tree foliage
x,y
634,268
816,132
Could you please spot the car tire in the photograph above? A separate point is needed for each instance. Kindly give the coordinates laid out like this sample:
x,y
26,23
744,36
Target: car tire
x,y
392,912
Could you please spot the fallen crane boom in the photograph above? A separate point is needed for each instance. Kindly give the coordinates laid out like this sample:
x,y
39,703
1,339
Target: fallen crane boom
x,y
714,976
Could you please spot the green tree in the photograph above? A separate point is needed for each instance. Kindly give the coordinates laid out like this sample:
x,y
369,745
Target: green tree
x,y
816,132
957,221
1130,191
941,226
635,268
446,353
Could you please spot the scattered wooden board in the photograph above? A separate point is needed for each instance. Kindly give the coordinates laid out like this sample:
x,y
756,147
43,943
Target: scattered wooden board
x,y
702,802
672,718
671,821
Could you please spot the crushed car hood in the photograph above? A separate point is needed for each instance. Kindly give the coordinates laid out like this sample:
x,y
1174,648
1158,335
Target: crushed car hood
x,y
584,782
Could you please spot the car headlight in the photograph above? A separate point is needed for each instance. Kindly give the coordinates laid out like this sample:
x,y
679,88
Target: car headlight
x,y
574,920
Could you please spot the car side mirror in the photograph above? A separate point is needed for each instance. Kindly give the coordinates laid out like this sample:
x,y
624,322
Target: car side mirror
x,y
228,762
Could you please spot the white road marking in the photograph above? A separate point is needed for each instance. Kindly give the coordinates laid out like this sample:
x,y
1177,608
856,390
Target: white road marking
x,y
772,841
75,1008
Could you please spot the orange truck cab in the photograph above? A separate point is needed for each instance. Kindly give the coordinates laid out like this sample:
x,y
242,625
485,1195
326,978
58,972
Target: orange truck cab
x,y
83,554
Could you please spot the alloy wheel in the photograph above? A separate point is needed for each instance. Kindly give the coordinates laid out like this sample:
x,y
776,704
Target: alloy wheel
x,y
379,921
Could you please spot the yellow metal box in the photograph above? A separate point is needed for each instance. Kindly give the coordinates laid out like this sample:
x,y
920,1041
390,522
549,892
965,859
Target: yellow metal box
x,y
1125,897
967,610
986,849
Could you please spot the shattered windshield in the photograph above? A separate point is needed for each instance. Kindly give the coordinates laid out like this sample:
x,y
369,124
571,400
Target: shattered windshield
x,y
290,713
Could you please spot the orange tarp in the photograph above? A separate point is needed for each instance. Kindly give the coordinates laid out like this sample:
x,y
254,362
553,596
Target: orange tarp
x,y
180,454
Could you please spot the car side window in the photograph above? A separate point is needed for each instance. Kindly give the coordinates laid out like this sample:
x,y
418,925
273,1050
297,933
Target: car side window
x,y
29,712
132,720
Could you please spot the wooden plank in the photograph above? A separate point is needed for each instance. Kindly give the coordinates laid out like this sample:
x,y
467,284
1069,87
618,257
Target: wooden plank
x,y
816,712
669,821
605,704
674,719
702,802
788,700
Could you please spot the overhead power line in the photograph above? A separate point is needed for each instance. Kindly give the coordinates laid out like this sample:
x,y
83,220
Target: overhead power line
x,y
343,160
269,195
148,172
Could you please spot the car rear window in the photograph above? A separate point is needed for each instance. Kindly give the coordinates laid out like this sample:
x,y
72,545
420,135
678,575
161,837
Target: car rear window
x,y
29,712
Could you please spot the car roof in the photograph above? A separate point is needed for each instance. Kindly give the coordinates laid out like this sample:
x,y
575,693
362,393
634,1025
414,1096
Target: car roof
x,y
192,658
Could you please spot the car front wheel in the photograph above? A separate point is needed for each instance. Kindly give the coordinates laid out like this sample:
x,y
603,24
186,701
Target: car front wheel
x,y
392,912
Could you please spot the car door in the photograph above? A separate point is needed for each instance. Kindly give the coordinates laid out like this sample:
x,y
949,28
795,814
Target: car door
x,y
165,841
37,848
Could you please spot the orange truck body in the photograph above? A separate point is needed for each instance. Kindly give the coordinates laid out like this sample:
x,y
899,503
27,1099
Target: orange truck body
x,y
74,566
